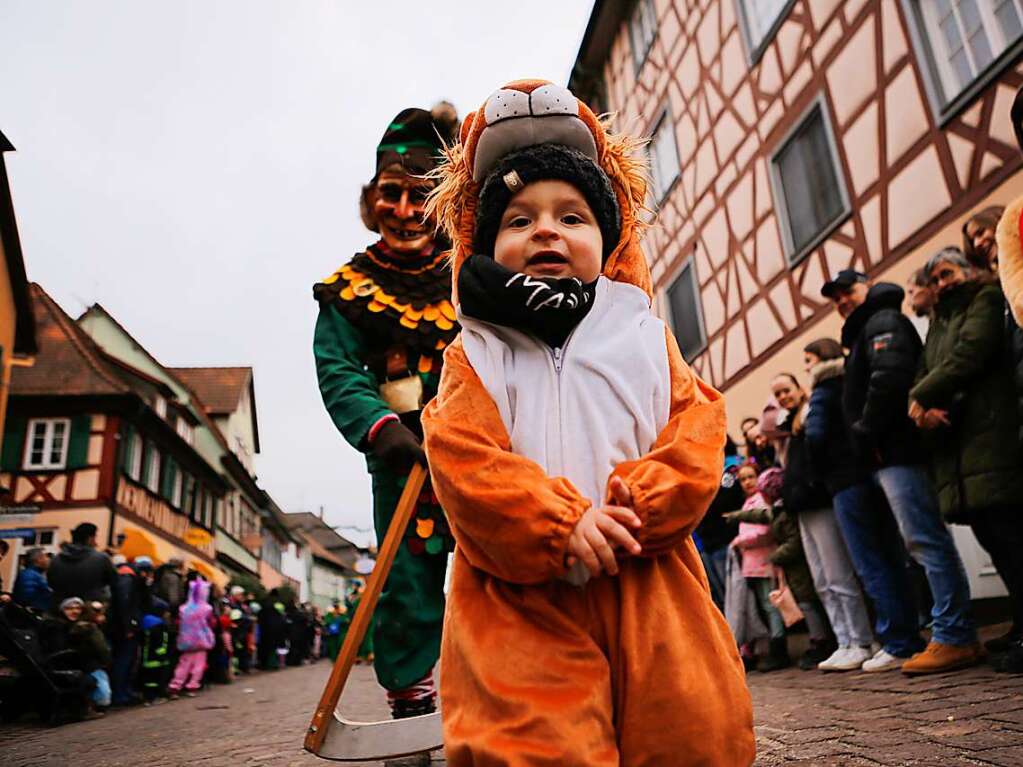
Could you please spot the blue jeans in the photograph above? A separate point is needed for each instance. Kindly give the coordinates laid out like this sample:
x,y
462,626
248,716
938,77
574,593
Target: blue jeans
x,y
875,540
122,669
101,693
915,505
715,563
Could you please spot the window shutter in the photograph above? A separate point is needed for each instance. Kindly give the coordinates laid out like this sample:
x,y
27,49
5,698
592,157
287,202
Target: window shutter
x,y
78,447
167,486
126,443
14,444
147,463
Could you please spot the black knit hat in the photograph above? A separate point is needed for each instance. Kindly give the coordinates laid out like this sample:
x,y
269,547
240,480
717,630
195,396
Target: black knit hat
x,y
415,137
546,162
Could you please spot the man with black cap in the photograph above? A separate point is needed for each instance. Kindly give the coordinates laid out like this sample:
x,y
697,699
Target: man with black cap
x,y
385,319
884,349
79,570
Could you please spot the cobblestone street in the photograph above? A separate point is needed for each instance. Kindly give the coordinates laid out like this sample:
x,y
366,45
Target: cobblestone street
x,y
852,720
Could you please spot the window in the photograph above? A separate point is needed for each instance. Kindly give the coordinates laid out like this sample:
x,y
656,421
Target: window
x,y
185,430
151,470
160,405
133,466
176,488
188,496
664,164
642,30
809,193
760,20
962,40
47,443
686,316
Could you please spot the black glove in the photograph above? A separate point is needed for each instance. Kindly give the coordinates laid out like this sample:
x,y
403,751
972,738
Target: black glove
x,y
398,447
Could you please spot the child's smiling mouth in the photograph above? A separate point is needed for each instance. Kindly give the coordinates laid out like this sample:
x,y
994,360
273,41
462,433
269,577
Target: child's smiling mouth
x,y
547,258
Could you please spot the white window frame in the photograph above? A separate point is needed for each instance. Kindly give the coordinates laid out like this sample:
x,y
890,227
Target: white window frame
x,y
160,406
755,47
642,32
153,475
660,188
690,265
49,426
945,106
185,430
794,257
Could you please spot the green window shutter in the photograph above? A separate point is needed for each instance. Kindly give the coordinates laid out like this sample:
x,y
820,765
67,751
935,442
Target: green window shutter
x,y
167,487
78,446
14,444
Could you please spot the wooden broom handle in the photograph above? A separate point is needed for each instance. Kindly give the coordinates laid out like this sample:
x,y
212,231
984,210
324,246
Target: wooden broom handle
x,y
364,612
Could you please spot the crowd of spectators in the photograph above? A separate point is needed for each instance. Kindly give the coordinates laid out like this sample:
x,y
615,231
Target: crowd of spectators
x,y
148,634
836,507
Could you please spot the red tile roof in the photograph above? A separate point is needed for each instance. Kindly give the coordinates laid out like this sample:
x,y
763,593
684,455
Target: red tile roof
x,y
219,389
68,361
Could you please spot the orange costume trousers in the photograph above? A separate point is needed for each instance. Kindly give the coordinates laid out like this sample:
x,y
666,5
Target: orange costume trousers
x,y
560,675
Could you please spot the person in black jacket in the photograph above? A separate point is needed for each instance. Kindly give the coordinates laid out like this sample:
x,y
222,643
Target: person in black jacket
x,y
806,497
79,570
715,532
884,350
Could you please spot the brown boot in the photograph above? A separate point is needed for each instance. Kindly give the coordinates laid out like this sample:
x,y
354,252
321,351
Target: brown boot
x,y
940,657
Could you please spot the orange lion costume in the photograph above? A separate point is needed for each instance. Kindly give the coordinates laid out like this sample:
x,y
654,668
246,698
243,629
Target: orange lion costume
x,y
634,669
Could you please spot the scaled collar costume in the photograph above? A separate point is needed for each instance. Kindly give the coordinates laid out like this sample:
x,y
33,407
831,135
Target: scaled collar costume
x,y
400,300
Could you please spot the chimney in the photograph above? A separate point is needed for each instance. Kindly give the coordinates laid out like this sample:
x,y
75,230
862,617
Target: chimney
x,y
321,512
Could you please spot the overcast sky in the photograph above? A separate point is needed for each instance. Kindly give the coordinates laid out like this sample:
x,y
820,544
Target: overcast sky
x,y
194,166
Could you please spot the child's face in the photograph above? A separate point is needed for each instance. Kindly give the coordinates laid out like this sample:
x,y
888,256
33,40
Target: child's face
x,y
748,480
548,230
73,612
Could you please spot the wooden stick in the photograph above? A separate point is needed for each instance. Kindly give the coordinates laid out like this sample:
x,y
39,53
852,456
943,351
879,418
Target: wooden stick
x,y
364,612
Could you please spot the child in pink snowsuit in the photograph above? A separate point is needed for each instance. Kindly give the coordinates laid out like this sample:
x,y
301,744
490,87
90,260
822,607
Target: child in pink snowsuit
x,y
756,544
195,638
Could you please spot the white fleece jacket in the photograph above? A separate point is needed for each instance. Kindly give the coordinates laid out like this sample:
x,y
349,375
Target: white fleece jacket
x,y
580,410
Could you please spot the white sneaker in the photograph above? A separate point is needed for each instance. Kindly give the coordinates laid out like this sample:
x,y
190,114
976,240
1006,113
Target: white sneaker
x,y
845,659
882,661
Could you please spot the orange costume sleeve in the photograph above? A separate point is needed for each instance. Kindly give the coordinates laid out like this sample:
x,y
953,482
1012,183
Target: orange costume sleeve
x,y
674,483
508,517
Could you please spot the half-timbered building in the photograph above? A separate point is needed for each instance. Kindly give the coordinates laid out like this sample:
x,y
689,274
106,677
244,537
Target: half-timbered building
x,y
794,138
90,438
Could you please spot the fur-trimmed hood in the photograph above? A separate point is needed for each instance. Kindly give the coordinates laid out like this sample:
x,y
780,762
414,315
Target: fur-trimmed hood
x,y
826,369
553,115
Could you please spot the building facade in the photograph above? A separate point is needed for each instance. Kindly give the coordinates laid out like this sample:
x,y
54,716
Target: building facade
x,y
794,138
17,321
89,438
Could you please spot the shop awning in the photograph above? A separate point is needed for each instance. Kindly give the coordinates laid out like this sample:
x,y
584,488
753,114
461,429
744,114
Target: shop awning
x,y
212,574
138,544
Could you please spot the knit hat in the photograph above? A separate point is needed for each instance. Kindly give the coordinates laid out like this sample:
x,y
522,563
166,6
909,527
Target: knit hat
x,y
143,563
415,138
71,602
544,162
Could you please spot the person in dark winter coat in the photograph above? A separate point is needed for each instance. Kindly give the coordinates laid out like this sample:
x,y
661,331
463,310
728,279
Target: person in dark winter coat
x,y
273,631
715,531
30,587
169,584
884,350
130,602
80,571
965,399
829,460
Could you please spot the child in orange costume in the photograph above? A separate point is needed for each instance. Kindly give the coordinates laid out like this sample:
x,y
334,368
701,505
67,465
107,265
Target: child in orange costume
x,y
574,452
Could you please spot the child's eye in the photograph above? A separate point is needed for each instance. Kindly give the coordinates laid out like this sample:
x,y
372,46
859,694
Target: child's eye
x,y
518,222
572,218
390,192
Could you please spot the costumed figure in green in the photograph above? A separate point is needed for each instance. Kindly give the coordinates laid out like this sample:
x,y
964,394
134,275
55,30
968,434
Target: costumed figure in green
x,y
385,319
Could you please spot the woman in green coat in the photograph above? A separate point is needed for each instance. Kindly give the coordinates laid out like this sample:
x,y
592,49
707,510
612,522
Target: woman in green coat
x,y
965,399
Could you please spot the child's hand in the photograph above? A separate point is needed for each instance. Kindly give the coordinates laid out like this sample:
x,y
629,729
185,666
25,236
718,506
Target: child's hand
x,y
595,535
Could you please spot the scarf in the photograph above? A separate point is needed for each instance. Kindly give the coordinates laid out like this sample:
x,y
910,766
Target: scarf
x,y
549,308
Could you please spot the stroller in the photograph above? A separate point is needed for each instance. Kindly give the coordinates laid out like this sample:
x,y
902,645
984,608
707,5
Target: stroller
x,y
32,680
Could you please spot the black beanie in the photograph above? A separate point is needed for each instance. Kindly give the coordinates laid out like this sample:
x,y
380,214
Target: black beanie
x,y
546,162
